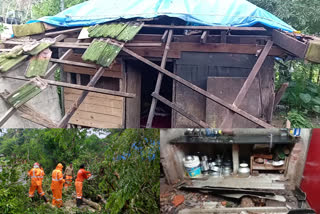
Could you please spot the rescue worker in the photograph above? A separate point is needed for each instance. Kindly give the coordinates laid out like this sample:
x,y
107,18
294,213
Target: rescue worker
x,y
42,173
81,175
36,182
68,174
57,185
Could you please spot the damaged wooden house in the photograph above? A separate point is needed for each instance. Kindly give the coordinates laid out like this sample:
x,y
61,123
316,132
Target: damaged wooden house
x,y
150,64
237,171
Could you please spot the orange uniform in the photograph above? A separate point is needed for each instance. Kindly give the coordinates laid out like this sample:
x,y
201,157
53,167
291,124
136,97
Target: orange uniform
x,y
82,174
42,175
57,185
36,182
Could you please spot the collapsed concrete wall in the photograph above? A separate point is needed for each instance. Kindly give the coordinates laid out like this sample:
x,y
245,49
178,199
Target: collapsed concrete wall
x,y
47,102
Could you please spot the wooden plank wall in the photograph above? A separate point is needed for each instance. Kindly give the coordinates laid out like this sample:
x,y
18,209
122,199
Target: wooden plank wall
x,y
197,67
97,110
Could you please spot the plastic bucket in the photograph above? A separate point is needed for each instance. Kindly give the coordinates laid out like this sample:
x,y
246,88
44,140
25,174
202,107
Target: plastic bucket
x,y
192,166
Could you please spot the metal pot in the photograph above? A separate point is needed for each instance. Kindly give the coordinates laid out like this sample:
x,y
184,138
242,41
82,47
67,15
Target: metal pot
x,y
226,171
216,169
215,174
244,170
204,166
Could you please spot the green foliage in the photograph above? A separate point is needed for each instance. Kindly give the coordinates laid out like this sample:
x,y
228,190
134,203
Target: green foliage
x,y
302,15
303,93
124,163
51,7
298,120
2,28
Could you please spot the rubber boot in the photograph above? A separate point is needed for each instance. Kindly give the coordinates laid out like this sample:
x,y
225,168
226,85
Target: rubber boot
x,y
45,198
78,202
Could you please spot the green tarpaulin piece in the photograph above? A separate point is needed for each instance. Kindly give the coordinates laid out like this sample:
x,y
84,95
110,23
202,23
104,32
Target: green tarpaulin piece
x,y
28,29
313,52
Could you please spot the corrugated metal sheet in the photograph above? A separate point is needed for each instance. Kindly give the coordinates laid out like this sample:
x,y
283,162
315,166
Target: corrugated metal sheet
x,y
101,53
121,31
26,92
130,31
7,63
108,30
42,46
38,64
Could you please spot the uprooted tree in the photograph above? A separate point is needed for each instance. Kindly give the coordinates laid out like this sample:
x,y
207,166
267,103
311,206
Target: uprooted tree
x,y
124,164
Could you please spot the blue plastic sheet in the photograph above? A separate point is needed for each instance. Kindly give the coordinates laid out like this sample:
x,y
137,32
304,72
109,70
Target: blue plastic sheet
x,y
237,13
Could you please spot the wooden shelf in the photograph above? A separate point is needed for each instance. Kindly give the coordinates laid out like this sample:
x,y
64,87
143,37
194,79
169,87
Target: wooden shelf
x,y
267,167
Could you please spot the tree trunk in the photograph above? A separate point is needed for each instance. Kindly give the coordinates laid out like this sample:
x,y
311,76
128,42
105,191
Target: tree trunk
x,y
61,5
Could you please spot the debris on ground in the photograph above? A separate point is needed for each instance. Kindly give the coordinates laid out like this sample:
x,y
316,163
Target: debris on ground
x,y
177,200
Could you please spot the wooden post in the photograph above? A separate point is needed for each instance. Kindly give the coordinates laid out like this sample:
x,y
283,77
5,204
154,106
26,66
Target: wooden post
x,y
235,158
279,94
199,90
180,110
64,121
7,115
227,121
159,81
204,36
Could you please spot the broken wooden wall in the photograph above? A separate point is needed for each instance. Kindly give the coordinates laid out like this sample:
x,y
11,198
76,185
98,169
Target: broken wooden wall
x,y
97,110
197,67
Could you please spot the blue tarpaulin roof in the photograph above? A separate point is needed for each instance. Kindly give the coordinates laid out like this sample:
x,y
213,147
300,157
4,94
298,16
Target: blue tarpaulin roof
x,y
236,13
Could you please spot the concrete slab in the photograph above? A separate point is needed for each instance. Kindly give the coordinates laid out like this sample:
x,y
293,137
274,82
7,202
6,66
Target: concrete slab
x,y
263,181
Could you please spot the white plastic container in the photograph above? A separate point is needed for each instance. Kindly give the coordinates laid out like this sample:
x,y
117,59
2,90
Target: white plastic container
x,y
192,166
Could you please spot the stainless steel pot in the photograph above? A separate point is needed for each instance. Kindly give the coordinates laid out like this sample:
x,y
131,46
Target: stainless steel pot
x,y
244,170
204,166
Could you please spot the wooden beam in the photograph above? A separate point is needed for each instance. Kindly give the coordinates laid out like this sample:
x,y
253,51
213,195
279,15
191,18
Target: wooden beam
x,y
7,115
68,62
189,27
164,36
279,94
86,45
64,121
177,47
159,80
80,87
63,31
223,37
204,36
289,43
227,121
28,113
199,90
55,66
180,110
212,210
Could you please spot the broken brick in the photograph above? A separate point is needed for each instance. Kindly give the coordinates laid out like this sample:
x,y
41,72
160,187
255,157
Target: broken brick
x,y
177,200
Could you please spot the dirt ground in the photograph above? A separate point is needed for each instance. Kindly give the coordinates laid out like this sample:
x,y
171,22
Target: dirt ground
x,y
173,200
